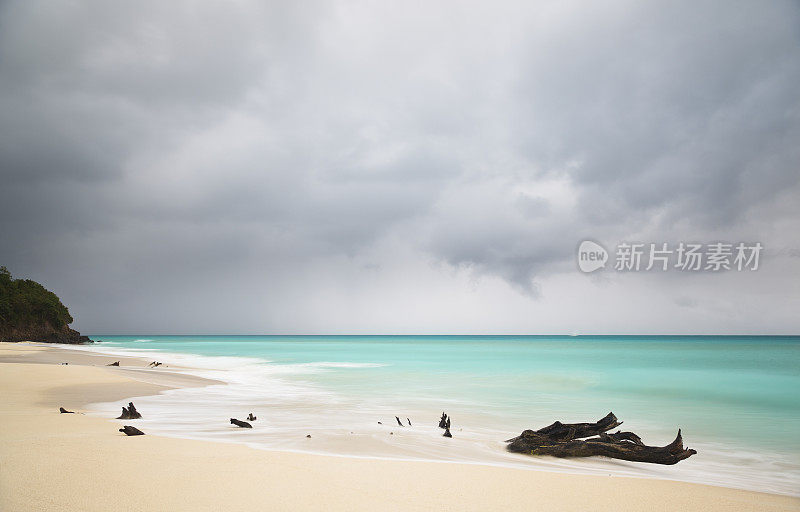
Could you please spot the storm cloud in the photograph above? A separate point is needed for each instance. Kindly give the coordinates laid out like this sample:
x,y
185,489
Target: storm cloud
x,y
352,167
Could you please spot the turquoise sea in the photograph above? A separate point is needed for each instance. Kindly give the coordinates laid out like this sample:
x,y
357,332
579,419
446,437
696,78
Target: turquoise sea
x,y
736,398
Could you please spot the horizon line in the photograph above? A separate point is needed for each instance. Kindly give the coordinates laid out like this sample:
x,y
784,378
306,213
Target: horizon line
x,y
456,334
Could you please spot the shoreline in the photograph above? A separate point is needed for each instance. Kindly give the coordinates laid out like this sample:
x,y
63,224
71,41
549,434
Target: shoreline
x,y
186,409
31,430
293,402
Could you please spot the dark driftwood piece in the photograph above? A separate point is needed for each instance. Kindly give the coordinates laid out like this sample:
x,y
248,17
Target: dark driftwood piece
x,y
399,422
409,422
64,411
564,440
115,363
250,417
129,413
443,421
131,431
447,432
242,424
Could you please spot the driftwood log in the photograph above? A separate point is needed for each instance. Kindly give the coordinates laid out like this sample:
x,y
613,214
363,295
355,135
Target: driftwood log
x,y
129,413
399,422
131,431
565,440
115,363
444,423
239,423
64,411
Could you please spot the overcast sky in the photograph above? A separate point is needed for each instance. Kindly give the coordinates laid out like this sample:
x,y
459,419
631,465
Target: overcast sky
x,y
399,167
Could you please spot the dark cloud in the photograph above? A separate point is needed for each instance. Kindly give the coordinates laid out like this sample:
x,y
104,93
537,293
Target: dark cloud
x,y
664,106
241,165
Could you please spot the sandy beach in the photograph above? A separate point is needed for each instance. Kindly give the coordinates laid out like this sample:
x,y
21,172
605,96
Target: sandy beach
x,y
52,461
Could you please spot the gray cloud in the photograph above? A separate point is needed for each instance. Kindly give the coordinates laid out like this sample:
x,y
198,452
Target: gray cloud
x,y
234,165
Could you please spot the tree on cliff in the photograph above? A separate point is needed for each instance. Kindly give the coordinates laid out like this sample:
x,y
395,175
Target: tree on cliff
x,y
29,311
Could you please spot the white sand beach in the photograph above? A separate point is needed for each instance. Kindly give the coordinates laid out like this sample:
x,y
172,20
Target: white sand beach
x,y
53,461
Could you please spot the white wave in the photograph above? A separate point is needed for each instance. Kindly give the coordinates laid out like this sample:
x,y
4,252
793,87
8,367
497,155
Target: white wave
x,y
315,367
333,364
190,361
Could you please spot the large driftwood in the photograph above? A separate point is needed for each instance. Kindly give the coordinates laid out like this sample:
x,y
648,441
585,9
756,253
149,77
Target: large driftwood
x,y
131,431
239,423
129,413
568,431
564,440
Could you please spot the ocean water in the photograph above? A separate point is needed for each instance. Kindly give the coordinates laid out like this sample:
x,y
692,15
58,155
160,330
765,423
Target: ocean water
x,y
736,399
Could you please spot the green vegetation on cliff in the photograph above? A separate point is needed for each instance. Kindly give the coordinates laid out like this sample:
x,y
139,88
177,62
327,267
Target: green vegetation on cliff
x,y
23,301
29,311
